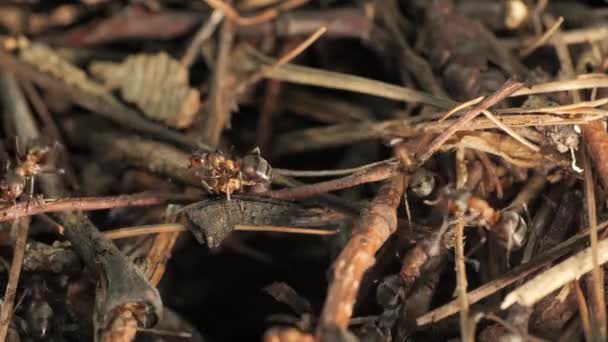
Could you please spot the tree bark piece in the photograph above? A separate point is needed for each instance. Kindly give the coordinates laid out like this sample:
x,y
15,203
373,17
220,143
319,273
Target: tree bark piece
x,y
373,229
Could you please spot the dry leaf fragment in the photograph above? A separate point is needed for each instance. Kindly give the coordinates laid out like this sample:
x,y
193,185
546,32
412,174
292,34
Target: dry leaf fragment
x,y
156,83
500,145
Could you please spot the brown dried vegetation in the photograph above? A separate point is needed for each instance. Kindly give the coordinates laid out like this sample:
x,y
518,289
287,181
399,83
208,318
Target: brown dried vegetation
x,y
303,170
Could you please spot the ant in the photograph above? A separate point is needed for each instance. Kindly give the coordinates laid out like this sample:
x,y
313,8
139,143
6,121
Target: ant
x,y
221,174
37,160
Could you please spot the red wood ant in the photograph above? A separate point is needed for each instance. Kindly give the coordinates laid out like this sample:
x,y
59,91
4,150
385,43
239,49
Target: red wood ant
x,y
221,174
37,160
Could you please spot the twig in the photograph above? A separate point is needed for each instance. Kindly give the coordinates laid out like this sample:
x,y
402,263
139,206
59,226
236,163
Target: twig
x,y
253,61
41,110
492,118
555,277
556,109
128,232
287,335
564,85
487,164
259,18
415,64
542,39
374,174
281,229
201,36
158,256
218,117
511,328
510,131
508,278
507,89
461,280
596,140
597,274
329,173
460,107
35,207
583,310
151,155
570,37
6,311
344,134
370,233
50,126
286,58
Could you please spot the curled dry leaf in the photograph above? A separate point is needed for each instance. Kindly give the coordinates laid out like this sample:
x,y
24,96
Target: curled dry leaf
x,y
501,145
156,83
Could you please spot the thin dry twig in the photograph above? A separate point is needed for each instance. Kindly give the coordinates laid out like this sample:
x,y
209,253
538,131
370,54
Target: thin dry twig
x,y
329,173
370,233
283,229
220,103
201,36
507,89
577,36
510,131
596,140
461,280
6,311
511,327
284,59
556,109
583,310
509,278
492,118
374,174
35,207
158,256
260,18
598,272
344,134
540,41
556,277
253,61
596,81
128,232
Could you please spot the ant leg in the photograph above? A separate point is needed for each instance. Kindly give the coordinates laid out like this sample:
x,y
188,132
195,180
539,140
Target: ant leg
x,y
482,240
207,187
17,148
31,181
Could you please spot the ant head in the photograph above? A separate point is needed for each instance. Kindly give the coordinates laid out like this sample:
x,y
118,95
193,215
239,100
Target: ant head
x,y
254,166
12,186
197,160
